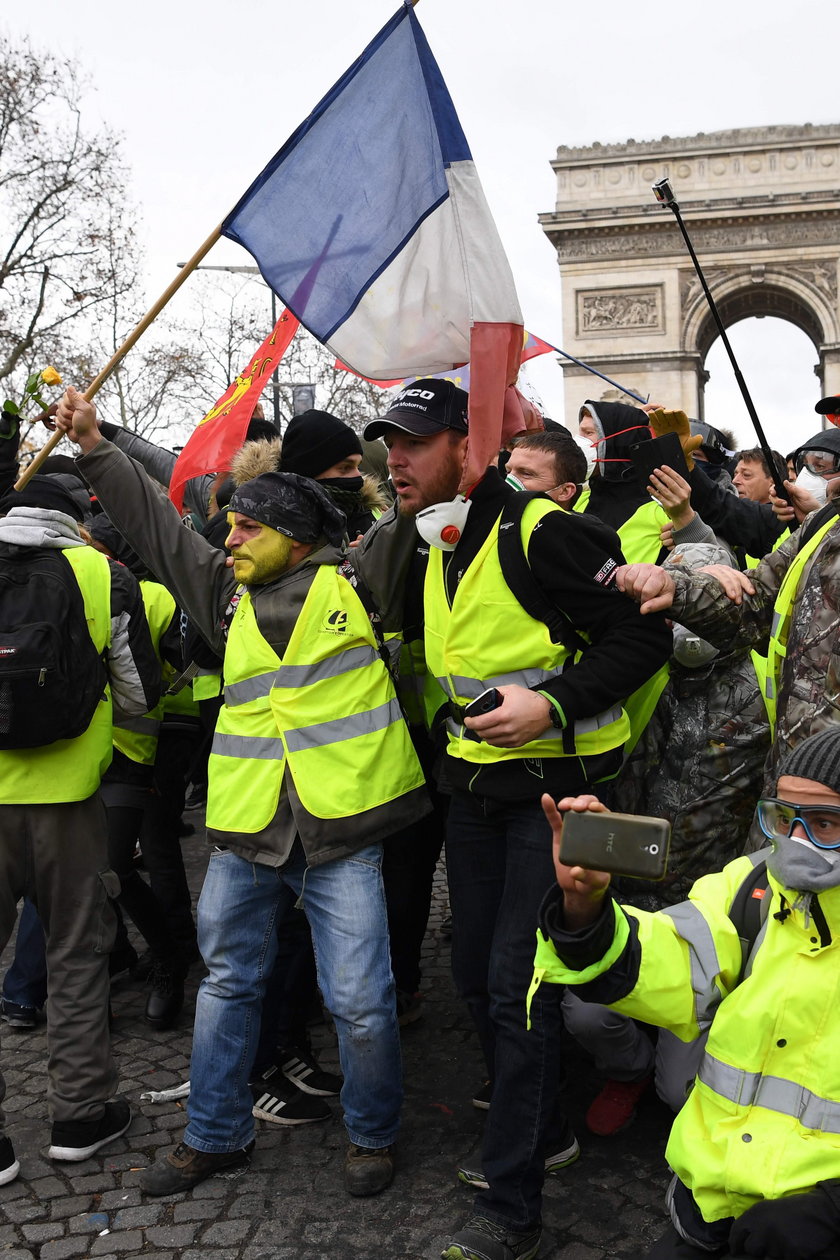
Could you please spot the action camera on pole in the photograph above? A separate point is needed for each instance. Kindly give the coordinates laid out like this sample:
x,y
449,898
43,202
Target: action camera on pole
x,y
664,194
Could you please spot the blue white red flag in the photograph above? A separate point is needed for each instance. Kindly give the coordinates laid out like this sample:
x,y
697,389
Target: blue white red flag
x,y
372,227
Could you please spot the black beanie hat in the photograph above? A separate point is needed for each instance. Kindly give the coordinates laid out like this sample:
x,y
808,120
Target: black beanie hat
x,y
816,758
43,492
314,441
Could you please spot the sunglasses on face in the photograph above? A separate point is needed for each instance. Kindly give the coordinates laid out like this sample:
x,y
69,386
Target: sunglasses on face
x,y
821,822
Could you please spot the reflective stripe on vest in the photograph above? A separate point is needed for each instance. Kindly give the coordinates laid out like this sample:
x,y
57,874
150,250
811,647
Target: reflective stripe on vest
x,y
774,1093
512,648
261,748
705,964
780,622
333,732
250,688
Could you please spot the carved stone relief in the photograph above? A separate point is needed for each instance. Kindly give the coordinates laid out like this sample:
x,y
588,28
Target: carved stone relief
x,y
604,311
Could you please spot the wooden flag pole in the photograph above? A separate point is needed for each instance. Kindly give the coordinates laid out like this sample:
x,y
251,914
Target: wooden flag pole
x,y
114,362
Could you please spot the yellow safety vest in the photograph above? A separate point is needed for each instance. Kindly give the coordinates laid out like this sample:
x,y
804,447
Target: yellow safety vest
x,y
69,769
207,684
136,738
640,534
780,623
328,711
763,1118
487,639
752,562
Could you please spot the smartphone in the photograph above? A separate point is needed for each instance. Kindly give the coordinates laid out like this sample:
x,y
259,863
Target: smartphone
x,y
660,452
625,844
485,703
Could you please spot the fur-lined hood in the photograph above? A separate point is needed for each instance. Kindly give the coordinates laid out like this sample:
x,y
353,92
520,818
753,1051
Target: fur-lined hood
x,y
263,455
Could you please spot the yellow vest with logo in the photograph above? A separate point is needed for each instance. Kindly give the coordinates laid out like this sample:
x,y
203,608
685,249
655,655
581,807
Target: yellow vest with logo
x,y
69,769
328,711
487,639
137,737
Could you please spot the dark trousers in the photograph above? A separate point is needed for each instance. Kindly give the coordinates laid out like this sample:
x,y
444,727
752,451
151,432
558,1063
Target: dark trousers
x,y
57,856
136,897
291,990
160,838
499,865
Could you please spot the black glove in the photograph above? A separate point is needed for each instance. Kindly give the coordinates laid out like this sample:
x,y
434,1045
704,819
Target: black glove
x,y
8,424
799,1227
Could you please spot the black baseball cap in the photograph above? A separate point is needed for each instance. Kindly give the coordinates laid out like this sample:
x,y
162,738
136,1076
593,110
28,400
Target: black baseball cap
x,y
828,406
424,407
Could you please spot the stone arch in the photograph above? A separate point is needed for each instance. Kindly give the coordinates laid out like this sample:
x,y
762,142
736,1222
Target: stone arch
x,y
763,213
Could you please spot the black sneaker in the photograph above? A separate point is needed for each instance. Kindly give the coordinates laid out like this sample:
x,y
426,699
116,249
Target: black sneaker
x,y
471,1174
166,996
9,1166
368,1170
75,1140
21,1018
280,1102
185,1167
299,1065
482,1096
483,1239
196,797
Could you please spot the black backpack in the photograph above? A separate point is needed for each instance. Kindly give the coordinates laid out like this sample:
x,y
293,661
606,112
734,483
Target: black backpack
x,y
51,675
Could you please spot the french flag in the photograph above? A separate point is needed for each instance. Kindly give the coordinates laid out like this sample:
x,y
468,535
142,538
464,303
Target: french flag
x,y
372,227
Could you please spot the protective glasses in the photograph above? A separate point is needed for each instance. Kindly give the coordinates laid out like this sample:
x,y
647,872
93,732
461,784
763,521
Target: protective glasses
x,y
820,463
821,822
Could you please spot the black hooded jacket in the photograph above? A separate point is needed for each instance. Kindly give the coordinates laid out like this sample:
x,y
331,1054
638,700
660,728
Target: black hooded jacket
x,y
615,489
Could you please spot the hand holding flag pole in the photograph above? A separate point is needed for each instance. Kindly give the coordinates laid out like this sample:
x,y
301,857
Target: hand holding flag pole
x,y
120,354
664,194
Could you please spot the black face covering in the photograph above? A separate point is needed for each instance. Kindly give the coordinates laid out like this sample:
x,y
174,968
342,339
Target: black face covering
x,y
294,506
351,485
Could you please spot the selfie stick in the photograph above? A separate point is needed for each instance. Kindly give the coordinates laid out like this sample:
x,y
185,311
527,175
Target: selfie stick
x,y
664,194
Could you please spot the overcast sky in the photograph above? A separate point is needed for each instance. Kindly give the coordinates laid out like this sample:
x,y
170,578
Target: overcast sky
x,y
204,94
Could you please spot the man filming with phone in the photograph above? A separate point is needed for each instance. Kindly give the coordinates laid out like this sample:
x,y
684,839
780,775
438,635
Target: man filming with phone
x,y
751,958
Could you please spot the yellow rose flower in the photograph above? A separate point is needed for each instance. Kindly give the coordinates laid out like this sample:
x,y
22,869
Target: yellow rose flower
x,y
50,377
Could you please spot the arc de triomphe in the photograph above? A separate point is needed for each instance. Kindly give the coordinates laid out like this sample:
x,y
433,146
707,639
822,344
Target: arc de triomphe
x,y
762,207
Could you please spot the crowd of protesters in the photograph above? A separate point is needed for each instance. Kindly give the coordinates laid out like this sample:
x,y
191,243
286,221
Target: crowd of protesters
x,y
470,663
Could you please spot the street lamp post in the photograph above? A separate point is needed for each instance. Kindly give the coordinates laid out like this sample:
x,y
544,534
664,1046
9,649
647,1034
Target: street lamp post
x,y
275,376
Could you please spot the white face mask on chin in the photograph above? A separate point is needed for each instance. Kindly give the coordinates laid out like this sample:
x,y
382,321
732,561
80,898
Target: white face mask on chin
x,y
442,524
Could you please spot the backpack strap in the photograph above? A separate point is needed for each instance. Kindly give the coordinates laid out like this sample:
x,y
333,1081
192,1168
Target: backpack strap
x,y
517,572
748,912
345,569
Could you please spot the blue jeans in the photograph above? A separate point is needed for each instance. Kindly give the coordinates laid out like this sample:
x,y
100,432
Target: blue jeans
x,y
25,983
499,865
237,911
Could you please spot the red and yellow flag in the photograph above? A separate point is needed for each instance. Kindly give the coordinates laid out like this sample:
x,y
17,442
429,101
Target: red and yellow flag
x,y
217,438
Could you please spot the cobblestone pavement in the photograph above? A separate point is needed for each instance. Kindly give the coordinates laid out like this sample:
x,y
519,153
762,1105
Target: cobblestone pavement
x,y
290,1203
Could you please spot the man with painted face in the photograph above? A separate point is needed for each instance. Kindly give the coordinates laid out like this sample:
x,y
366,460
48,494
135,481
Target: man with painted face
x,y
310,767
754,1149
559,720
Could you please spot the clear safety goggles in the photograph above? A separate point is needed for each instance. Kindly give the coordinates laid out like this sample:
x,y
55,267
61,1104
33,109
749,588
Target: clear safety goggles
x,y
821,822
820,463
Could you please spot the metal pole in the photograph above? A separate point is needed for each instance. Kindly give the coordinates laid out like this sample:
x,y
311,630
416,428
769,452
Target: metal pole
x,y
664,194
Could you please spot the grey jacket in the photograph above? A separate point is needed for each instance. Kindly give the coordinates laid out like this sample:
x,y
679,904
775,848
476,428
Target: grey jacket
x,y
198,577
